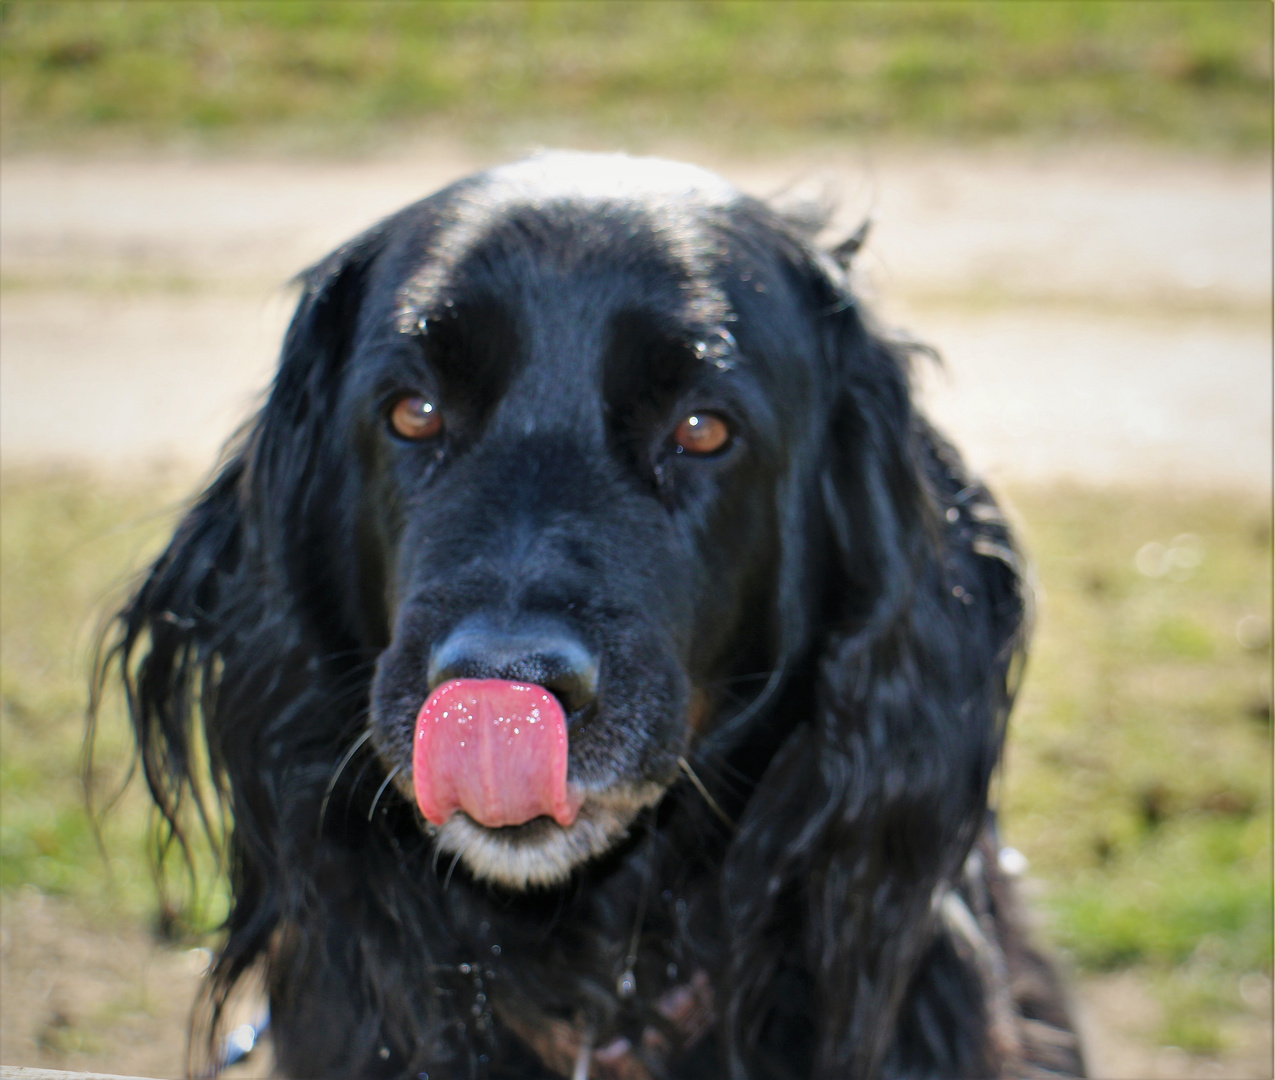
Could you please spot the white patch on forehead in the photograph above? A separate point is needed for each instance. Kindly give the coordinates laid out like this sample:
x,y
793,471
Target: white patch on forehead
x,y
671,196
610,177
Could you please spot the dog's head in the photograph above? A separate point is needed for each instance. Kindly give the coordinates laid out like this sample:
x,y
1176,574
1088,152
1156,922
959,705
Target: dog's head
x,y
569,419
579,474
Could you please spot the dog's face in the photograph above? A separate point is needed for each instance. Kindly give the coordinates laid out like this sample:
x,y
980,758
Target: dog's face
x,y
582,392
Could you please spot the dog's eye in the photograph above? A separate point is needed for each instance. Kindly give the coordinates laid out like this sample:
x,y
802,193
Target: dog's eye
x,y
416,418
701,433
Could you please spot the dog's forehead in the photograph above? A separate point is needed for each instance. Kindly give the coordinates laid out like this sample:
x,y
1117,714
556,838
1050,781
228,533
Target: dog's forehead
x,y
583,207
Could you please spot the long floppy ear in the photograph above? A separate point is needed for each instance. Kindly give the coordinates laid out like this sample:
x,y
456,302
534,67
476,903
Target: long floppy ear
x,y
287,479
208,648
870,810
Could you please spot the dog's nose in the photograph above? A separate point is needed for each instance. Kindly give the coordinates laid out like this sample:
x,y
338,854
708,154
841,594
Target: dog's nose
x,y
541,652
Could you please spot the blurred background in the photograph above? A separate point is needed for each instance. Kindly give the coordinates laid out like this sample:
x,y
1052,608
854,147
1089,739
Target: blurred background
x,y
1072,203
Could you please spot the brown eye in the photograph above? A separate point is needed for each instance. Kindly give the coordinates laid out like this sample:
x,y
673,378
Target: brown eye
x,y
701,433
416,418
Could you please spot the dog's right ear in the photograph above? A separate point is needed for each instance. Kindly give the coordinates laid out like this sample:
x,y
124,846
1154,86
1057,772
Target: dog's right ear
x,y
188,645
315,349
172,641
176,634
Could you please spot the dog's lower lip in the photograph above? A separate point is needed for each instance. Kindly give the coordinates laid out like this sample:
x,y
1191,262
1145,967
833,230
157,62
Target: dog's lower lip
x,y
539,822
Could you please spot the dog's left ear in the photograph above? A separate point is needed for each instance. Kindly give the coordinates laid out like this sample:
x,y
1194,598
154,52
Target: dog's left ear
x,y
869,811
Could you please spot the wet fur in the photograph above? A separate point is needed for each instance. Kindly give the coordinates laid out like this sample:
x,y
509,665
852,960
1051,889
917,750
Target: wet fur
x,y
830,634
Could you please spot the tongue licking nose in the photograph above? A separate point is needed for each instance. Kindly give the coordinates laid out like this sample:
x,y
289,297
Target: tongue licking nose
x,y
495,749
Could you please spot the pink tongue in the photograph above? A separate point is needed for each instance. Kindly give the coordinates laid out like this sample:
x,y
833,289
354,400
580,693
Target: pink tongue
x,y
495,749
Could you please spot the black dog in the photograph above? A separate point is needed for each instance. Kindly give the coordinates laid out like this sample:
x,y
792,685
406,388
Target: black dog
x,y
601,662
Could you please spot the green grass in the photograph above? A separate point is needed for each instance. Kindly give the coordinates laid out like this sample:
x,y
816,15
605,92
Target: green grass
x,y
68,546
1139,775
346,75
1139,779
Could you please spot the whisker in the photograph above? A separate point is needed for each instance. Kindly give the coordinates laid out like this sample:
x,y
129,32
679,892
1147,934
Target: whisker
x,y
699,786
448,879
753,676
354,691
346,758
379,791
735,697
357,782
712,764
341,654
733,726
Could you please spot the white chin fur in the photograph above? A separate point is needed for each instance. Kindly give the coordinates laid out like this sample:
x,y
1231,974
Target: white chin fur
x,y
542,852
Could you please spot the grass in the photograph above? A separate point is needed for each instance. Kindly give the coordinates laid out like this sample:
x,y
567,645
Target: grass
x,y
1139,778
1138,781
341,75
67,546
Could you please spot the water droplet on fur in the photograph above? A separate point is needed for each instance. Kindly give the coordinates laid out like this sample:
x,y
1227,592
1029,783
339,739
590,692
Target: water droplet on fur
x,y
464,969
495,950
1012,862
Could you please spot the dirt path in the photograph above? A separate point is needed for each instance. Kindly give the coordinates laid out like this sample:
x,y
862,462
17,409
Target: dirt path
x,y
1105,317
77,995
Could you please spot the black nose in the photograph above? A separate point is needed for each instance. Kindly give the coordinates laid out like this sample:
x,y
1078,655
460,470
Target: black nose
x,y
539,651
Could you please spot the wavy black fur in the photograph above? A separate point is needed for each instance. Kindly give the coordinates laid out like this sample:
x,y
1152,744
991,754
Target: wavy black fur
x,y
825,620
